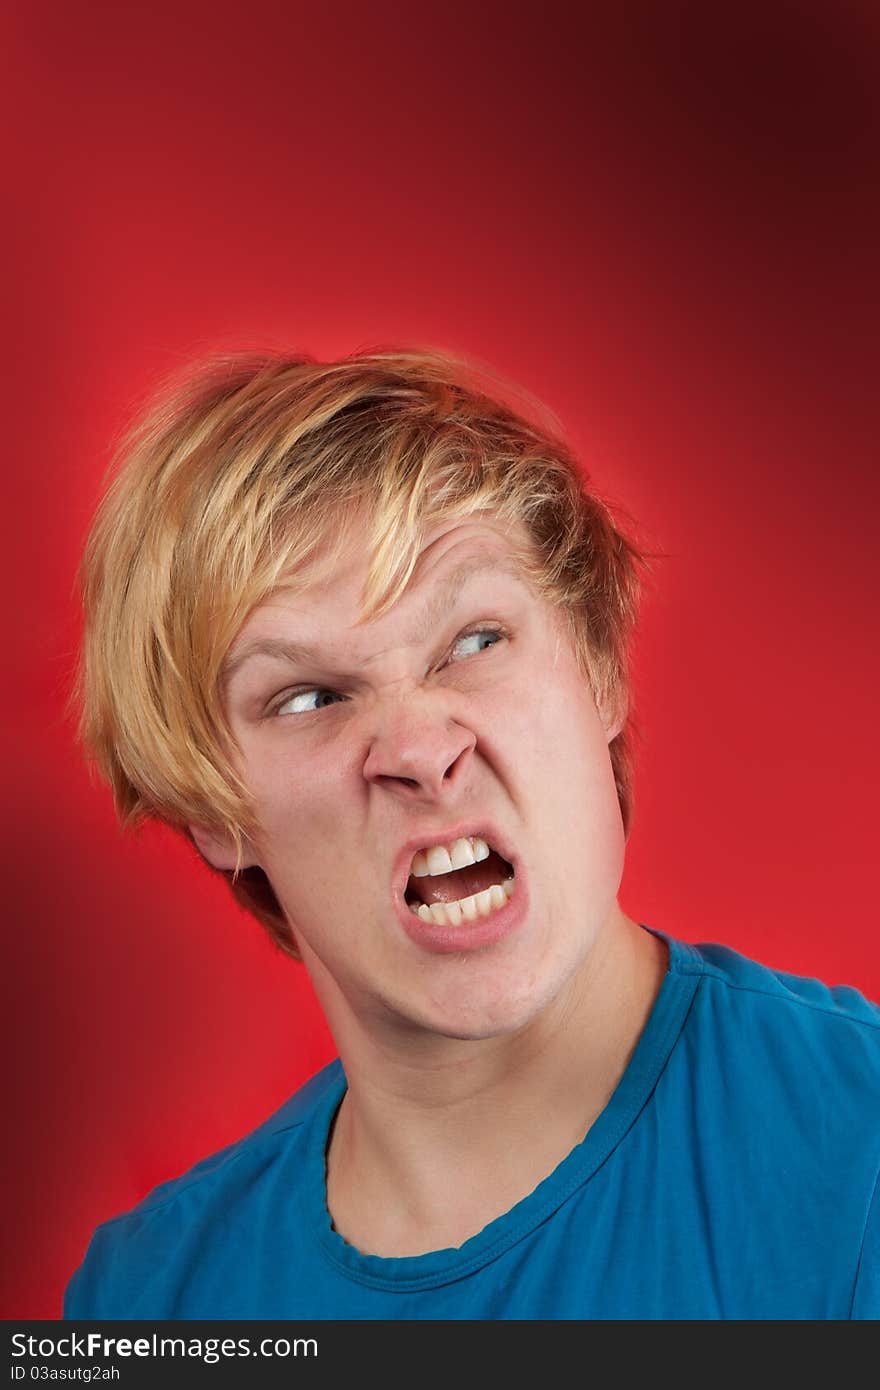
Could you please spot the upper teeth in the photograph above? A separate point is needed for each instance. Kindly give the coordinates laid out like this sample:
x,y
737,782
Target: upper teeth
x,y
442,859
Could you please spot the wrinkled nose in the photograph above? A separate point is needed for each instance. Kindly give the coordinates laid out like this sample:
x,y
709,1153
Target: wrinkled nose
x,y
416,750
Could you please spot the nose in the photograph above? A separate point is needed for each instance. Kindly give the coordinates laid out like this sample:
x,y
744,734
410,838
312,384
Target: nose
x,y
416,750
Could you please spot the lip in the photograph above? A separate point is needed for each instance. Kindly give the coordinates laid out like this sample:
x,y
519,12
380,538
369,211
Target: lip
x,y
470,936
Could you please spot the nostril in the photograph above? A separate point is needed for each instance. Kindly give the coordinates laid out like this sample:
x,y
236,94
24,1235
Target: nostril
x,y
386,779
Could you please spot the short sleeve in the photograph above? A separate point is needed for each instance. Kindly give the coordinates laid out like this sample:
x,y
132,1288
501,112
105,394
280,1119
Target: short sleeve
x,y
866,1294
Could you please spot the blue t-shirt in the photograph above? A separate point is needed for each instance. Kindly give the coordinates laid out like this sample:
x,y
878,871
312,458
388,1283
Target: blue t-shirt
x,y
732,1174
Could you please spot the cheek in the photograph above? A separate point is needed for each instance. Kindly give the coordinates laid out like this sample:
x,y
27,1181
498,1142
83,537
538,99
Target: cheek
x,y
569,781
559,733
300,803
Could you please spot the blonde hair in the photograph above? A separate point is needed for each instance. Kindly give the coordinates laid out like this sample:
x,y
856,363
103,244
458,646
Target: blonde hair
x,y
237,474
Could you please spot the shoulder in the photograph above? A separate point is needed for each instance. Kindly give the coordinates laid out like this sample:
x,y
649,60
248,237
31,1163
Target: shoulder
x,y
797,1055
777,1082
799,1005
196,1207
253,1149
790,1054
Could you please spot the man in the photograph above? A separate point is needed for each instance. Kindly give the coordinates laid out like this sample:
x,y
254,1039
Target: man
x,y
360,631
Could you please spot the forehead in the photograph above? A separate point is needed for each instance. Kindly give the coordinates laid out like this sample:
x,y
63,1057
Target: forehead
x,y
325,601
459,546
340,567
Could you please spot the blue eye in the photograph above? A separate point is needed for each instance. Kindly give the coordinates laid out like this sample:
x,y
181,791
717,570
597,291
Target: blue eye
x,y
476,635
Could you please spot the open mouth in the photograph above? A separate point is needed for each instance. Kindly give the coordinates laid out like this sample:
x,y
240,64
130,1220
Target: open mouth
x,y
459,882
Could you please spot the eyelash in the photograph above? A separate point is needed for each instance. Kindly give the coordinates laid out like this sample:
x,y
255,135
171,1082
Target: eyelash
x,y
495,629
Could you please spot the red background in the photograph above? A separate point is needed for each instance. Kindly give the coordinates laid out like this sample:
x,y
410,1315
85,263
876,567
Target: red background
x,y
661,219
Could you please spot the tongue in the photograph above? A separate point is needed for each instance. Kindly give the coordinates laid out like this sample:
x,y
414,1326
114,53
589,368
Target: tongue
x,y
461,883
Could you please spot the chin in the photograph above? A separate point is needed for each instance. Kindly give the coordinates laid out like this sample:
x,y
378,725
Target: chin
x,y
475,1014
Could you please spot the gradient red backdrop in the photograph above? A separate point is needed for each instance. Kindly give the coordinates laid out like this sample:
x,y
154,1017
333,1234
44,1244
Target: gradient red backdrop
x,y
660,218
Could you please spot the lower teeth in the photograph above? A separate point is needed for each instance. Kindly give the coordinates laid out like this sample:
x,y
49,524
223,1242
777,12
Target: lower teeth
x,y
466,909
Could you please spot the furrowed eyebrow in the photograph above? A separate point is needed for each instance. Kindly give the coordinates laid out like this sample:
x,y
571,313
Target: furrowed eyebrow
x,y
432,613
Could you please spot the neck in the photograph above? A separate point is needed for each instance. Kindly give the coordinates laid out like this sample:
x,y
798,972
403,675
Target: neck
x,y
415,1119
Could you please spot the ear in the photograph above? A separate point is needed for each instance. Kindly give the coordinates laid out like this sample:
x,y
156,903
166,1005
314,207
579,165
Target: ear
x,y
219,850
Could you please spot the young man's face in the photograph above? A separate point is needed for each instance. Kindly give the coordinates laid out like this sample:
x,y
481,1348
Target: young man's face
x,y
461,712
